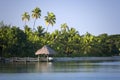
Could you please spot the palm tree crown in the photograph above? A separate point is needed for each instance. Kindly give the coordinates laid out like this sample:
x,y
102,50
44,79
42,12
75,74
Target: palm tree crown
x,y
50,19
36,13
64,27
25,17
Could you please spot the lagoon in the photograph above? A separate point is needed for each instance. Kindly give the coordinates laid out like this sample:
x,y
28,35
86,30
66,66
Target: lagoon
x,y
80,70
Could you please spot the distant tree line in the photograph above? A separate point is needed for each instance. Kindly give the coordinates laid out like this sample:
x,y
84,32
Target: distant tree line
x,y
15,42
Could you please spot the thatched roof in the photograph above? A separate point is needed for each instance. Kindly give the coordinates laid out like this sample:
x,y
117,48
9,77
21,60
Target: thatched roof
x,y
45,50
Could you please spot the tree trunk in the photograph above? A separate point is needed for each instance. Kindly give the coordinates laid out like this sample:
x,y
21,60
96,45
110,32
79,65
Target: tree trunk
x,y
34,25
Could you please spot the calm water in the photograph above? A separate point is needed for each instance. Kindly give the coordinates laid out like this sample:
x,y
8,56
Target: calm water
x,y
102,70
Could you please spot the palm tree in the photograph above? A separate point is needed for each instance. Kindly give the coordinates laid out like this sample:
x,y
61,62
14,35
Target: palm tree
x,y
40,31
88,42
50,19
64,27
36,13
25,17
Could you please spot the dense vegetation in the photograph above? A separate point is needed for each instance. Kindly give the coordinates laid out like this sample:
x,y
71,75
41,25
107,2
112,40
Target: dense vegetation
x,y
15,42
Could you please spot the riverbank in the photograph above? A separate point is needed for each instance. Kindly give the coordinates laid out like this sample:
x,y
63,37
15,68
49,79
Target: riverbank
x,y
87,58
60,59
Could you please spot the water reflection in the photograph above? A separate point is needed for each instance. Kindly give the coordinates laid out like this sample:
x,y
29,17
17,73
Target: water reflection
x,y
49,67
60,71
43,66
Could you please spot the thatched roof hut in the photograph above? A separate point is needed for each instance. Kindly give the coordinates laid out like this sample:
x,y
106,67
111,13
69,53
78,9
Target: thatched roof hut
x,y
45,50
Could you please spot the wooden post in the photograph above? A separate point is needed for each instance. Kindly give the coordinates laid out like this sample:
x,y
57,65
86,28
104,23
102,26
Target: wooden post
x,y
47,58
38,58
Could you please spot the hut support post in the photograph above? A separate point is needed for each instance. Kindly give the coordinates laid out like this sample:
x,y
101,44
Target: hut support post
x,y
38,58
47,58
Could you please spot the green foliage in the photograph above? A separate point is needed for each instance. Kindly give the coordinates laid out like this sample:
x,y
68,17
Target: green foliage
x,y
67,42
25,17
50,18
36,13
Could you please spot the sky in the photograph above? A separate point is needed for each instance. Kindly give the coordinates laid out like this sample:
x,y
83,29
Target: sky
x,y
93,16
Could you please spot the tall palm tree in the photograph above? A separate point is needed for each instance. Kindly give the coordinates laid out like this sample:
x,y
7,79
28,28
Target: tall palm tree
x,y
25,17
36,13
50,19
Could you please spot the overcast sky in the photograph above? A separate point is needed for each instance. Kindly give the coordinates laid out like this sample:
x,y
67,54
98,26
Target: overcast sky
x,y
93,16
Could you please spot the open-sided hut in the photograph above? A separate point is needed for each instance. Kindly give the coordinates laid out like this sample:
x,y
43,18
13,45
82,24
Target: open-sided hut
x,y
45,50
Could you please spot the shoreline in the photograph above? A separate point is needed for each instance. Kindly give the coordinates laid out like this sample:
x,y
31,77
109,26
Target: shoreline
x,y
88,58
60,59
